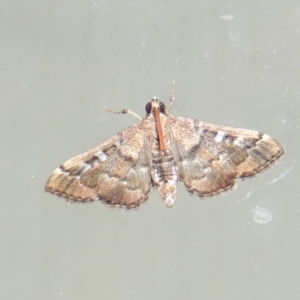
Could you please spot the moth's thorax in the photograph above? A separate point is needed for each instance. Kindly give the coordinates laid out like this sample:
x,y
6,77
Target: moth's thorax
x,y
149,125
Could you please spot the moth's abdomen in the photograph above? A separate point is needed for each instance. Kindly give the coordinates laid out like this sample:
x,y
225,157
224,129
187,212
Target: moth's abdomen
x,y
165,177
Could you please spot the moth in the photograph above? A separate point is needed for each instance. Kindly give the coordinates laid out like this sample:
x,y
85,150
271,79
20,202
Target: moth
x,y
159,152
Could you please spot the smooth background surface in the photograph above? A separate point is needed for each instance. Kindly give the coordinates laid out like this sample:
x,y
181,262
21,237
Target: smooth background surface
x,y
235,63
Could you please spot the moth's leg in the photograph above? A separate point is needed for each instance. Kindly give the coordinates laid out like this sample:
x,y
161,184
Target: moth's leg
x,y
172,99
124,111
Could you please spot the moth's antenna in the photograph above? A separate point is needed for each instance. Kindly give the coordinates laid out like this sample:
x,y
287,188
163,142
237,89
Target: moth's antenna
x,y
124,111
172,99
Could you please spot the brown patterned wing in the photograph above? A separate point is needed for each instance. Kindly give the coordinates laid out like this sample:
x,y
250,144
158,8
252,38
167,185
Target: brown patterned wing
x,y
210,157
116,172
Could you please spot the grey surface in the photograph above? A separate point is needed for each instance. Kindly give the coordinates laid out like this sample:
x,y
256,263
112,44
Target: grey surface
x,y
235,63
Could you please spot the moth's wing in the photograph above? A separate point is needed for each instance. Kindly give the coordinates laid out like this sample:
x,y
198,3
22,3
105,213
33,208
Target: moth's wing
x,y
116,172
210,157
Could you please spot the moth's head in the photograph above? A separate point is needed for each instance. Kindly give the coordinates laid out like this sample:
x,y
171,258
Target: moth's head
x,y
155,103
